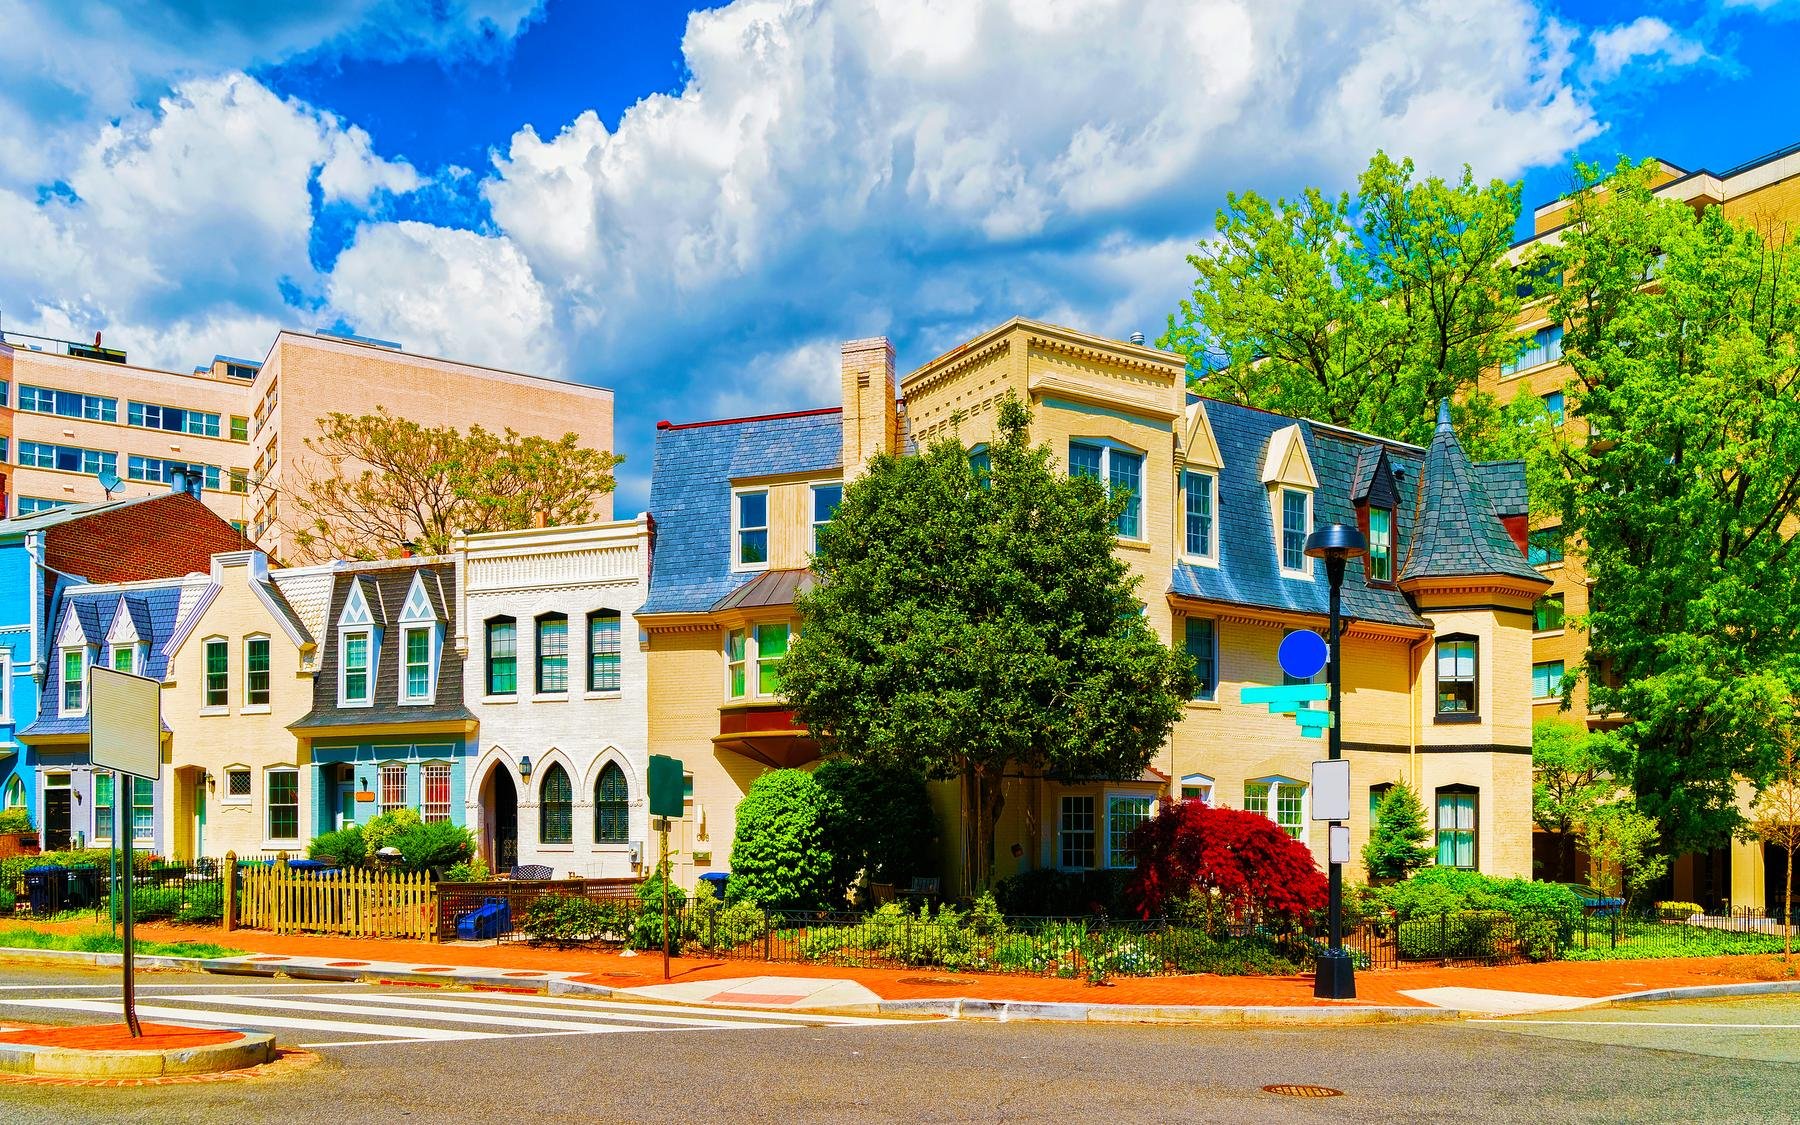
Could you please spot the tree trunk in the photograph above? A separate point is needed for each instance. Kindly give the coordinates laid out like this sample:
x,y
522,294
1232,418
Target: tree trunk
x,y
1787,910
989,800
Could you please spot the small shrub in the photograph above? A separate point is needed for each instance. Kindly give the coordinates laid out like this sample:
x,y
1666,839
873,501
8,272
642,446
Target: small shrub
x,y
719,928
8,900
568,919
646,927
380,832
440,844
205,903
1400,843
1678,911
149,903
14,820
469,871
344,847
779,857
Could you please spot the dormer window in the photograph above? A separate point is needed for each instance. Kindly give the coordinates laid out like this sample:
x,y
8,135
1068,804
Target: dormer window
x,y
418,645
124,658
355,687
1381,545
74,681
1296,524
358,650
750,529
1122,470
1199,499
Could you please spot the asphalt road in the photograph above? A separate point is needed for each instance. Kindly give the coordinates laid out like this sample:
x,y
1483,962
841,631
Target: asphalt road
x,y
391,1056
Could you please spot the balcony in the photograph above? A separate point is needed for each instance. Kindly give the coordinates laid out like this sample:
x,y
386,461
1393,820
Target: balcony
x,y
766,734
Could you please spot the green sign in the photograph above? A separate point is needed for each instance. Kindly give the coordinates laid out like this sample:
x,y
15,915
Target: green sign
x,y
667,794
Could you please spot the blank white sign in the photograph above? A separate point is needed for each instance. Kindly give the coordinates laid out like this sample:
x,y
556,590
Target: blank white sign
x,y
1331,790
125,722
1340,843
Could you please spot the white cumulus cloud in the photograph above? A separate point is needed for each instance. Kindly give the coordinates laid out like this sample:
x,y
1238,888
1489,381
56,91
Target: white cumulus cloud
x,y
1645,38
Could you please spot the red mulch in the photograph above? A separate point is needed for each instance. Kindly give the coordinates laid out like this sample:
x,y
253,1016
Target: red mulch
x,y
117,1037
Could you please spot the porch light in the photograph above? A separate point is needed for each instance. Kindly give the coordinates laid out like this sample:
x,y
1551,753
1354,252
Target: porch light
x,y
525,765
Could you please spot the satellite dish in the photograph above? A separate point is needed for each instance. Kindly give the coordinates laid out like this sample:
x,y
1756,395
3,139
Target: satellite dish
x,y
109,480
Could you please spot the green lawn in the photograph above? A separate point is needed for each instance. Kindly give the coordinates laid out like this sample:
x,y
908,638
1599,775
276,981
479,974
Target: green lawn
x,y
100,940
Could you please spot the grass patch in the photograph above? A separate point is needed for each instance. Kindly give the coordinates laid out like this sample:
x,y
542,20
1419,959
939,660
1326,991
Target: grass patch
x,y
103,941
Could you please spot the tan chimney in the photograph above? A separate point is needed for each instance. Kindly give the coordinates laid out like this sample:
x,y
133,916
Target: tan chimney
x,y
870,422
540,518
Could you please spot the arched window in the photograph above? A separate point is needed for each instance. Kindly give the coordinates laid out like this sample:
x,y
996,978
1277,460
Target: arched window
x,y
556,805
612,806
15,794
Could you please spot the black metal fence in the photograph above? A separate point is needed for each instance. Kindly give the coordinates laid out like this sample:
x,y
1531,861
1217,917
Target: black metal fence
x,y
188,892
1476,937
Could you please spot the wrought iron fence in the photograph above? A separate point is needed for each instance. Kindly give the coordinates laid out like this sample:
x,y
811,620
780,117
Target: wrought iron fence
x,y
191,891
1476,937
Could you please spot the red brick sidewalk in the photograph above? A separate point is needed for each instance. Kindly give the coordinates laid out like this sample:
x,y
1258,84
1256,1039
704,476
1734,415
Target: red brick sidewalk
x,y
1566,978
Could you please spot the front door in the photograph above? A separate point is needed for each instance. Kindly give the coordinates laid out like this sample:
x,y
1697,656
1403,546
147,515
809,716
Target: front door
x,y
56,820
506,820
346,804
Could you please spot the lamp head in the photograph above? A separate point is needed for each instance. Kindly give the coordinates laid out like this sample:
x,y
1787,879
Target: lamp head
x,y
1334,541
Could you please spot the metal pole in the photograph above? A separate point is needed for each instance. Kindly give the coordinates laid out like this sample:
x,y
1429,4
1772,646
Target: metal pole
x,y
665,895
131,1019
1336,978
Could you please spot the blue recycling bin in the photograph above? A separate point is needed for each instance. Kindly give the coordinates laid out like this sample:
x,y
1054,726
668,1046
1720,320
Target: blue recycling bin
x,y
489,920
717,879
47,887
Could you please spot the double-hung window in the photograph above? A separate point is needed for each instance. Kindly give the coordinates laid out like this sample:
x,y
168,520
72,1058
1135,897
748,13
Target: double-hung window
x,y
750,520
1197,514
1295,525
1381,544
1456,809
417,646
825,501
1075,832
355,650
435,777
736,655
1282,800
256,671
1123,813
603,650
502,656
74,681
103,805
1546,680
1122,470
393,787
771,649
552,654
218,673
143,810
1202,640
1457,677
284,804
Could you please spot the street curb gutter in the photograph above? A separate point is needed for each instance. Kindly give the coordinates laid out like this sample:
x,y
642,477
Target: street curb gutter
x,y
1702,992
1008,1011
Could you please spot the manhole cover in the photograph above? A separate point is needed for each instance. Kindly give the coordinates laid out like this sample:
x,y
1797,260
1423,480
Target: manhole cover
x,y
1288,1090
926,980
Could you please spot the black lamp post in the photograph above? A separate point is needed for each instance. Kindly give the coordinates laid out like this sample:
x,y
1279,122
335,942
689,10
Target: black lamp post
x,y
1335,977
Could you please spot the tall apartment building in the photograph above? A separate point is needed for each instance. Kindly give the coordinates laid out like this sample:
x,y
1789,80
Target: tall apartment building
x,y
1764,194
79,414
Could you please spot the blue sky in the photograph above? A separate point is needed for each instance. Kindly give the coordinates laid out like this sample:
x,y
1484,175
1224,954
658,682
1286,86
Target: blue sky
x,y
693,208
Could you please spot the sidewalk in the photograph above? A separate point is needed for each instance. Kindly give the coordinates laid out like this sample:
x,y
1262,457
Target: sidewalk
x,y
1497,990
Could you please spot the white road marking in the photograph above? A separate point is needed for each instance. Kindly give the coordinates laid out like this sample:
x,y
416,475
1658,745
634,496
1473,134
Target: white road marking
x,y
377,1007
647,1013
679,1009
246,1019
1648,1023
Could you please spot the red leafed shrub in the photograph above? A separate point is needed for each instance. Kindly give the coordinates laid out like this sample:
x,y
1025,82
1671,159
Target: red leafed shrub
x,y
1245,859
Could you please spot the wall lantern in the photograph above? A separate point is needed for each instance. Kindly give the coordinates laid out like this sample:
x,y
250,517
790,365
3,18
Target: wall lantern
x,y
525,765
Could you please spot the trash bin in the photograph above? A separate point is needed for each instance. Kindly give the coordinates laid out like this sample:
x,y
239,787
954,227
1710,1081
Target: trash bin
x,y
83,888
489,920
310,865
718,880
46,886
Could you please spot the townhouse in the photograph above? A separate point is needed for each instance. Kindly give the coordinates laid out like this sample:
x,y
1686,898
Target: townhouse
x,y
556,679
1220,501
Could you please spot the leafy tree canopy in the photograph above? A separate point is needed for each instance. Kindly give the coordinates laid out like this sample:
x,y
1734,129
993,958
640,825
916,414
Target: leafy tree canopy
x,y
1681,486
390,484
964,625
878,823
1364,312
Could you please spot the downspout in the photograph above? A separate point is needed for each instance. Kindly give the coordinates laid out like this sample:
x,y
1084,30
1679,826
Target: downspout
x,y
34,555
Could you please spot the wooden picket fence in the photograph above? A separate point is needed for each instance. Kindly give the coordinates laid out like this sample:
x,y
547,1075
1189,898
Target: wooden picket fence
x,y
357,902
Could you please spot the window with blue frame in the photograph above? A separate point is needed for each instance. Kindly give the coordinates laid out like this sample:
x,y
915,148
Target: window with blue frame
x,y
157,470
67,458
30,505
1546,679
1202,642
825,501
1553,405
68,404
1544,346
174,419
1122,470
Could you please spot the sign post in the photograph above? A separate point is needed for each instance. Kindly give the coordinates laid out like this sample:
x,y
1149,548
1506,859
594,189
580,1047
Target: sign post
x,y
668,798
125,735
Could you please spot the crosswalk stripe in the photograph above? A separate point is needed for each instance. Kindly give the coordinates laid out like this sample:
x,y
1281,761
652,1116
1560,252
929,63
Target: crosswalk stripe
x,y
715,1013
496,1017
640,1013
242,1019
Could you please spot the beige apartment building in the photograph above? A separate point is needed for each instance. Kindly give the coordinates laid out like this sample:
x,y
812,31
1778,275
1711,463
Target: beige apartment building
x,y
1764,194
236,429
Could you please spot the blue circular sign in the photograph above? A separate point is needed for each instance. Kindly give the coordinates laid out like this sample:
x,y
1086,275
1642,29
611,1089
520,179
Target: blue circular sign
x,y
1302,654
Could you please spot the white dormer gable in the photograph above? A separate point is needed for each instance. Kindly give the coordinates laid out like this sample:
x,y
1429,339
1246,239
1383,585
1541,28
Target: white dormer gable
x,y
1287,462
1199,447
123,630
71,635
418,604
1287,471
356,607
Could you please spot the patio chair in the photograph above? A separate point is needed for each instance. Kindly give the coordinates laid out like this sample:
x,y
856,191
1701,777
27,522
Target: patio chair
x,y
526,872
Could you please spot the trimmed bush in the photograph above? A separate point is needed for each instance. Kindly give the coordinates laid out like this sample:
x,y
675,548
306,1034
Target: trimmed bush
x,y
344,847
13,821
380,832
779,857
440,844
1440,890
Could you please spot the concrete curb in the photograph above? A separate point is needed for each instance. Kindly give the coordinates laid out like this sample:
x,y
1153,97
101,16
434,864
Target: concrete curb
x,y
254,1049
1007,1011
1701,992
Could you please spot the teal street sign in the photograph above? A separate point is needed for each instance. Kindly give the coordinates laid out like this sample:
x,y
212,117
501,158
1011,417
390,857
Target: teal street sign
x,y
667,797
1296,700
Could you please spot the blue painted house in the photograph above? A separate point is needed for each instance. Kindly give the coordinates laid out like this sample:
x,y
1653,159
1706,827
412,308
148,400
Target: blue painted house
x,y
388,727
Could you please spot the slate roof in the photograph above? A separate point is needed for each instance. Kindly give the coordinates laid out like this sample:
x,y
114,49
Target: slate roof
x,y
1505,485
1459,530
95,612
1248,572
385,585
690,496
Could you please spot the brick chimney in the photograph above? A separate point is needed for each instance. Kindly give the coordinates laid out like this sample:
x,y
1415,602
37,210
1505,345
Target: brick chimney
x,y
870,421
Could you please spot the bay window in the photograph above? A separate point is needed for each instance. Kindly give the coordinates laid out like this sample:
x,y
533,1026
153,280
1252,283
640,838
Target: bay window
x,y
1457,678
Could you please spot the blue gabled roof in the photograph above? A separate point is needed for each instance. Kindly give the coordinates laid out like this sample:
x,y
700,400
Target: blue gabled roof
x,y
152,610
1248,572
690,496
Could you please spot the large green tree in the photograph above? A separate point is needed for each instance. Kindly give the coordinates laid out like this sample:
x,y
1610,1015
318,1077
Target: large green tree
x,y
1363,312
968,624
385,485
1682,489
1569,780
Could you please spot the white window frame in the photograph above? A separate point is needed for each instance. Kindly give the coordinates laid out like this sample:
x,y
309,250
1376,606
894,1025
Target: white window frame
x,y
1211,557
367,633
1276,783
105,827
6,692
62,657
269,805
738,566
406,693
225,794
250,706
812,496
1279,495
112,658
1389,552
1107,447
207,707
752,662
149,839
1197,781
1112,795
1097,824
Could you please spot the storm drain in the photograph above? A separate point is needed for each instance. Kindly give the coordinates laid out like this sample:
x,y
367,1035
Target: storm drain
x,y
1289,1090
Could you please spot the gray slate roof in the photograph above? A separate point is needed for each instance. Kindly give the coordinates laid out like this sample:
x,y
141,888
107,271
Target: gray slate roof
x,y
1459,530
95,613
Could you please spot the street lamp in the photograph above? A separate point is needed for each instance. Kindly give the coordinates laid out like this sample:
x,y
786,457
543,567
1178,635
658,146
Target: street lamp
x,y
1335,976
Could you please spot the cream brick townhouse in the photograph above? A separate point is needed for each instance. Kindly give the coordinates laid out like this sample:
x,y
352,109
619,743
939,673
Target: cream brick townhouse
x,y
555,677
1437,685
